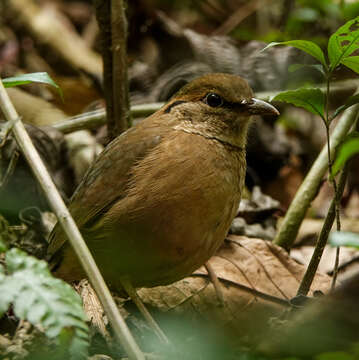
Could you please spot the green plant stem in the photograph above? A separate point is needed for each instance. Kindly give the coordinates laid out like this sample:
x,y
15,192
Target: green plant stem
x,y
322,239
337,196
67,222
330,161
309,188
94,119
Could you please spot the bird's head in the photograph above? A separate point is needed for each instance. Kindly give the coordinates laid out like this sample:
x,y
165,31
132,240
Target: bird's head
x,y
217,106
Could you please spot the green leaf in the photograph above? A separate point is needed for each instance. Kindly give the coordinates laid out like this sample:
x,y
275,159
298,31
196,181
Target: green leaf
x,y
309,47
352,62
317,67
341,238
39,77
352,100
348,148
311,99
43,300
343,43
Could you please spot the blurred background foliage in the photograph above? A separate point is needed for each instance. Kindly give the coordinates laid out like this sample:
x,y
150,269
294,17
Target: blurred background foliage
x,y
278,20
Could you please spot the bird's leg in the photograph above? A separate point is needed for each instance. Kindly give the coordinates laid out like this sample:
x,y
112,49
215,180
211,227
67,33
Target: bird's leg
x,y
217,285
132,293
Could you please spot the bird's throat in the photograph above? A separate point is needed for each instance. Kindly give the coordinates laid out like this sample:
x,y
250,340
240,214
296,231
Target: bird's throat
x,y
211,137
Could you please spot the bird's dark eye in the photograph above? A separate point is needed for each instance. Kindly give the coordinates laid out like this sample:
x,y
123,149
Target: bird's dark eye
x,y
213,100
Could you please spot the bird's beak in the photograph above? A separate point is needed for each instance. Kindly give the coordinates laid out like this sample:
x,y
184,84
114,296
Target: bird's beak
x,y
260,107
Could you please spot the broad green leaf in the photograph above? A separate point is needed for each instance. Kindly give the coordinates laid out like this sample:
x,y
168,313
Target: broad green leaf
x,y
39,77
317,67
43,300
343,43
309,47
352,100
349,147
341,238
311,99
352,62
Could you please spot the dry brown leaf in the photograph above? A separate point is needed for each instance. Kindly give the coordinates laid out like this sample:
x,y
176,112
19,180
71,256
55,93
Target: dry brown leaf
x,y
92,306
348,260
246,268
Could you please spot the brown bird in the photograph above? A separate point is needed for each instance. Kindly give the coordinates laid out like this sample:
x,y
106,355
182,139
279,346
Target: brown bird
x,y
158,201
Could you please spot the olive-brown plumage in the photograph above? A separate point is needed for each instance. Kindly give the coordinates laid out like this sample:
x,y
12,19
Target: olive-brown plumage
x,y
158,201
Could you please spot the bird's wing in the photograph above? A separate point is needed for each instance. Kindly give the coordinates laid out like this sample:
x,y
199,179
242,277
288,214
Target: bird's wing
x,y
107,179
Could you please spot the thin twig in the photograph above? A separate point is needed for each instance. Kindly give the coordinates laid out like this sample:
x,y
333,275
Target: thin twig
x,y
345,264
69,226
322,240
336,266
254,292
10,169
337,196
330,161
